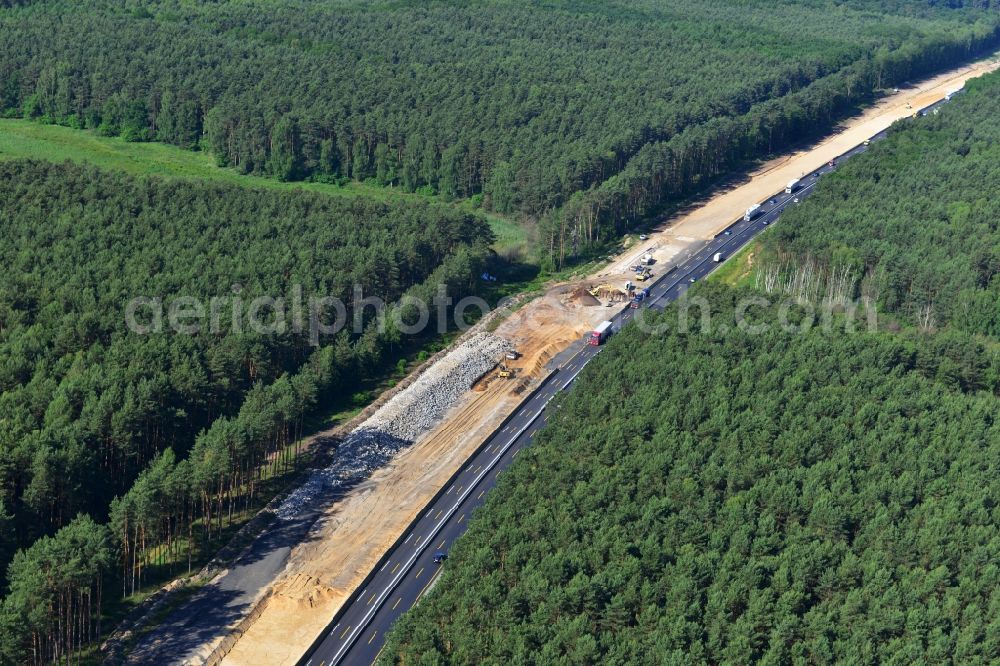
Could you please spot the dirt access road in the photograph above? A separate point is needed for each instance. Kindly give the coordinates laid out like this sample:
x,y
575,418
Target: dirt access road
x,y
354,533
343,547
707,219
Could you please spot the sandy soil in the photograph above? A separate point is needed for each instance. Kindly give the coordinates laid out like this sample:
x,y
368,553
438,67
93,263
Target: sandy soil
x,y
356,531
323,572
706,220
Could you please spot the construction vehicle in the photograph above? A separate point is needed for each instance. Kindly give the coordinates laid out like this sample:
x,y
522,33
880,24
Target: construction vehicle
x,y
793,185
506,372
640,296
643,276
609,292
752,212
600,334
512,355
629,286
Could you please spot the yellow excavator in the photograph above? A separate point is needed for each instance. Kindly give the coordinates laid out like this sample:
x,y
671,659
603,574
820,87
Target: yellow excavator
x,y
609,292
506,372
596,291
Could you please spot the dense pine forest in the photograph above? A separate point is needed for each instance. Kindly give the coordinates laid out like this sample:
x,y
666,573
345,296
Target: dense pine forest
x,y
727,497
717,495
914,224
820,497
583,115
179,427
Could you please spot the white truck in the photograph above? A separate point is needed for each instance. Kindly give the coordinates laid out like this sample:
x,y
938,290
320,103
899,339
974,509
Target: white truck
x,y
718,257
792,186
752,212
599,334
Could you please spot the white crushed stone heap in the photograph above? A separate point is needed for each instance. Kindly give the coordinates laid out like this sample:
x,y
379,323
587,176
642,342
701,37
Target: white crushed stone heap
x,y
401,420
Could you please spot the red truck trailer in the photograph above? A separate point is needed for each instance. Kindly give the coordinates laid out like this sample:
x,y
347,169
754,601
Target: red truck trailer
x,y
600,334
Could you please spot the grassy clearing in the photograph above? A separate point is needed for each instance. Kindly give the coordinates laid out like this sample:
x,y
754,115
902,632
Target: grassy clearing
x,y
511,237
738,269
27,139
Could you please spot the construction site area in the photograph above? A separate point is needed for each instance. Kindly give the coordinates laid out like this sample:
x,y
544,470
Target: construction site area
x,y
395,461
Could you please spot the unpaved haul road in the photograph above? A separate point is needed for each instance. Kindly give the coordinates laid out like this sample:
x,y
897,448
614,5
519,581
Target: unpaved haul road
x,y
356,635
199,625
706,220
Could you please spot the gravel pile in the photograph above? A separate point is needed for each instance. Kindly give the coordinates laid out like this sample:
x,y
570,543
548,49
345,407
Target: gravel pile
x,y
400,421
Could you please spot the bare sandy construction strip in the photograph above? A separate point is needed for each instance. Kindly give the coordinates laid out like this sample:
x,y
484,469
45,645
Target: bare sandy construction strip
x,y
704,221
357,530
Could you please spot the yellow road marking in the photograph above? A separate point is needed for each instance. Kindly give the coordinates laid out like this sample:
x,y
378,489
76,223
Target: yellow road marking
x,y
397,603
395,568
428,584
345,632
374,634
371,599
439,514
419,572
417,542
481,495
441,545
462,518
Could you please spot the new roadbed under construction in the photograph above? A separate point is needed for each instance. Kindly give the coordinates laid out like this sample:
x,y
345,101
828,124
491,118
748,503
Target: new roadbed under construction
x,y
335,531
358,632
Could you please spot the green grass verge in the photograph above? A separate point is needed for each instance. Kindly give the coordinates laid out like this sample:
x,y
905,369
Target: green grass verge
x,y
54,143
738,269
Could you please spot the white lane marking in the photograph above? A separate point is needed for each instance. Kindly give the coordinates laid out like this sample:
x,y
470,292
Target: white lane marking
x,y
416,552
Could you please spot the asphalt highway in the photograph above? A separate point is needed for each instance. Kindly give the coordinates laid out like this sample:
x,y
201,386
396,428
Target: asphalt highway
x,y
357,634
